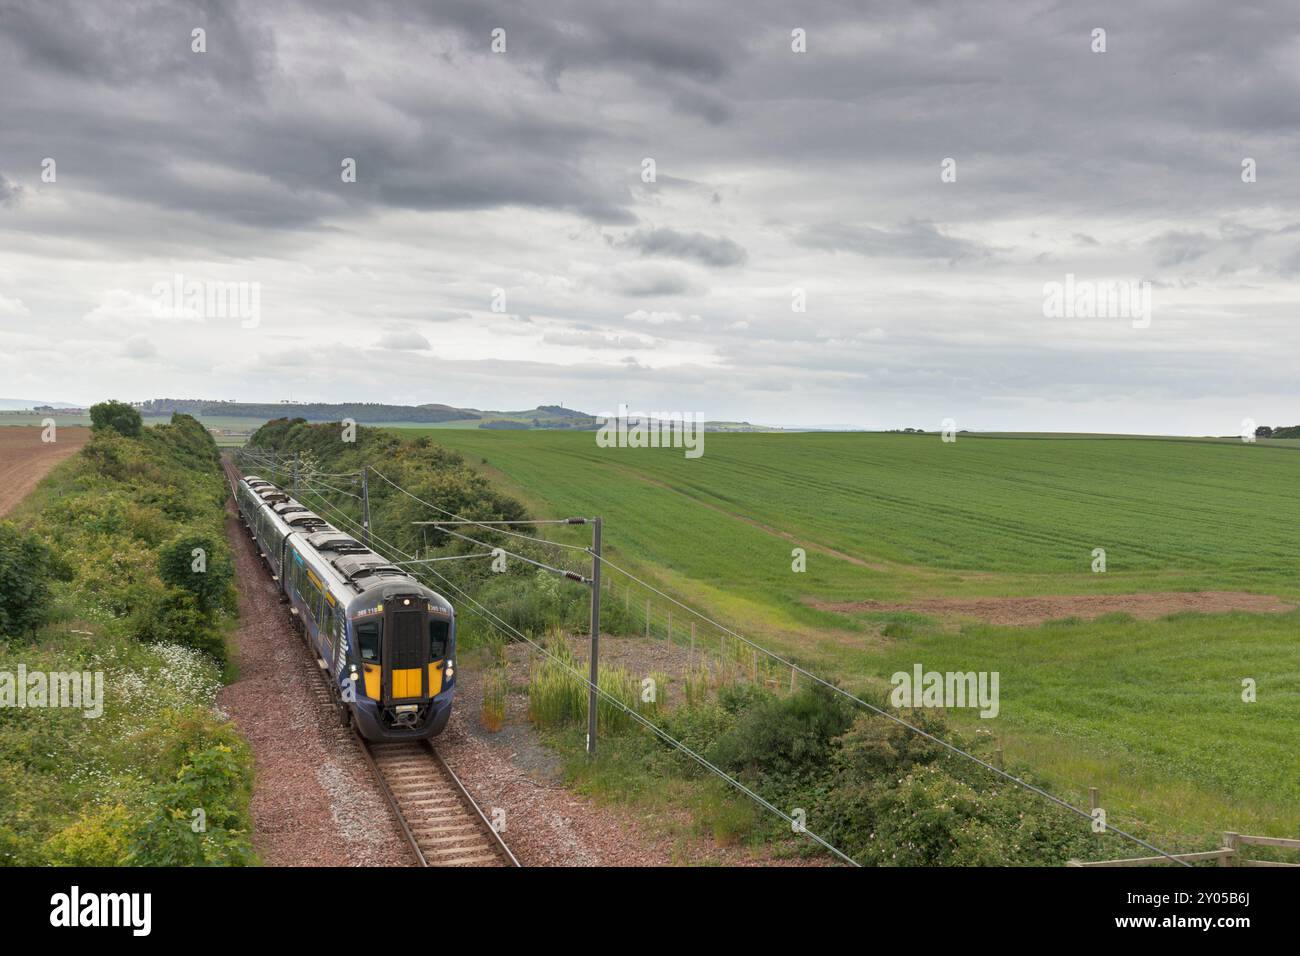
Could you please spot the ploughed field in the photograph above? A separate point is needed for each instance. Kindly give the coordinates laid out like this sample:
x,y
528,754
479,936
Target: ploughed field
x,y
979,555
25,459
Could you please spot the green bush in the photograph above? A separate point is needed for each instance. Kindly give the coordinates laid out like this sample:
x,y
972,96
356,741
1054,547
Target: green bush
x,y
200,564
120,417
875,746
896,798
784,735
931,818
174,616
97,838
26,567
199,818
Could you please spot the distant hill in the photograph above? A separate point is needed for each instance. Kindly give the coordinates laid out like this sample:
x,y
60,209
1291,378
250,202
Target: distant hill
x,y
376,413
364,412
23,404
371,413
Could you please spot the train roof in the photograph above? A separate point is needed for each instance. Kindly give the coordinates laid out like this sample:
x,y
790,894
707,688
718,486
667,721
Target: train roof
x,y
358,566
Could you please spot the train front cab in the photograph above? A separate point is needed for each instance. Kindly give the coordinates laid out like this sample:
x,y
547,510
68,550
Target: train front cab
x,y
404,648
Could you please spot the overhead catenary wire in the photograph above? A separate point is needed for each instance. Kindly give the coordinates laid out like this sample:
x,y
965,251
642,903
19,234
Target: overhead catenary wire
x,y
572,575
511,521
311,480
515,534
494,549
445,557
274,460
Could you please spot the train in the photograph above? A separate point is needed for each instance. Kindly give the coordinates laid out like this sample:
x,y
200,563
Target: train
x,y
386,641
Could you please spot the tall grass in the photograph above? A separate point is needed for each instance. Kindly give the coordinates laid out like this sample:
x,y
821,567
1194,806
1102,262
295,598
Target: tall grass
x,y
557,694
495,686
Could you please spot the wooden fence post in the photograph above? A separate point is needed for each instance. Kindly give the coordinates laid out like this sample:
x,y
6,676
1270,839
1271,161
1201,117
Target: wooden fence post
x,y
1230,842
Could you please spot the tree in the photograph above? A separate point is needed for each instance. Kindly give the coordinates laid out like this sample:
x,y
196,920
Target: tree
x,y
25,570
119,416
1263,431
196,563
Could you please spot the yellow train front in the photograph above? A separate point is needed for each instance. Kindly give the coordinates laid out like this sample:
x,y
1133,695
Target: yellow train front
x,y
397,673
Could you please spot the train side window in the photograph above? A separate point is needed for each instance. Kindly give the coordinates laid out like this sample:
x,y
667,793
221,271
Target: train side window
x,y
439,632
327,624
368,641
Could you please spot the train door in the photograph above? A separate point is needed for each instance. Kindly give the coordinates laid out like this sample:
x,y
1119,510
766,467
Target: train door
x,y
406,650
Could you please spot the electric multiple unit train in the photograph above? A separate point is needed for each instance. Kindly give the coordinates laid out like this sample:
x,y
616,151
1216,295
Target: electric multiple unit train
x,y
387,642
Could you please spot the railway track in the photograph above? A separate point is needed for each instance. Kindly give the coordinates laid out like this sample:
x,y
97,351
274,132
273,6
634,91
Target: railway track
x,y
442,823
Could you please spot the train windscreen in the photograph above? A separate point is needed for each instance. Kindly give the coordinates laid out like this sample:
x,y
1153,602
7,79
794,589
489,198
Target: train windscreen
x,y
439,633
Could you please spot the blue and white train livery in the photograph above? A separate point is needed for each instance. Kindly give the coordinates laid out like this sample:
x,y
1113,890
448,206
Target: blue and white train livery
x,y
387,642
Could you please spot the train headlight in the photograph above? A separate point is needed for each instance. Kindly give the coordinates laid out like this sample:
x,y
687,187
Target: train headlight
x,y
451,668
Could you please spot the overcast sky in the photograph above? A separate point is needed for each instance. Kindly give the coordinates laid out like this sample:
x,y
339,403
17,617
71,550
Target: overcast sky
x,y
775,171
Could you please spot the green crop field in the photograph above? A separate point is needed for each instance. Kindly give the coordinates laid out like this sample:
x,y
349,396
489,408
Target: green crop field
x,y
1150,711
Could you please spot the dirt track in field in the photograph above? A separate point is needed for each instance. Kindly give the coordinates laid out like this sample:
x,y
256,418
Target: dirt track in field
x,y
25,459
1025,611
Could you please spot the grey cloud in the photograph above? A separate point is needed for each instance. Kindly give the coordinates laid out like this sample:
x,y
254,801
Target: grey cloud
x,y
477,171
243,144
403,340
648,280
910,240
9,192
695,246
138,347
1177,247
572,35
596,340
